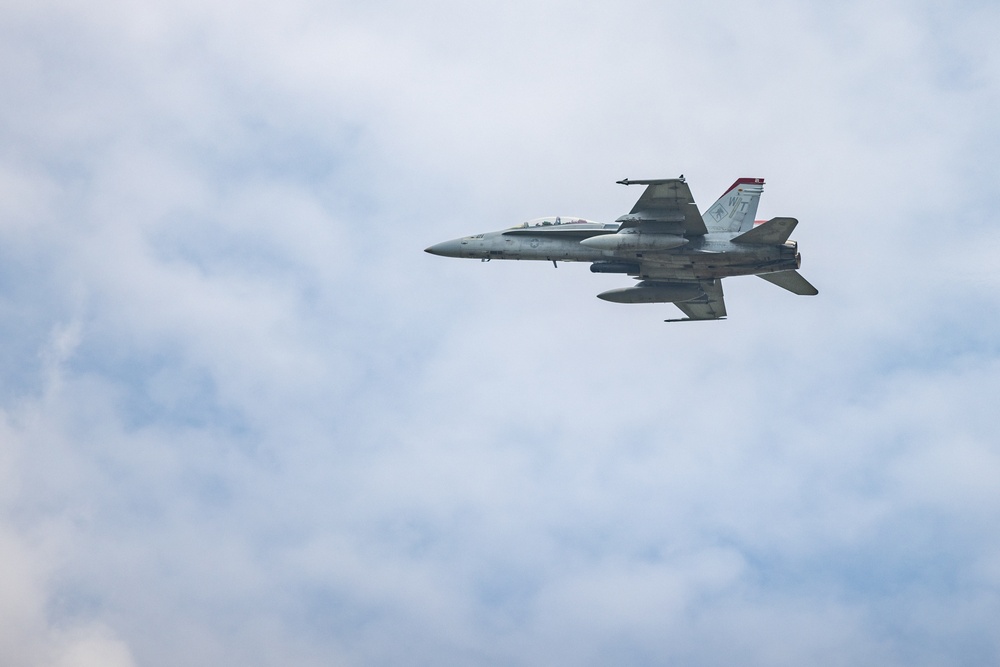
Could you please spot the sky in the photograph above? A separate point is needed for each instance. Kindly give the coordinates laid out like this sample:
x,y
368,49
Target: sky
x,y
245,419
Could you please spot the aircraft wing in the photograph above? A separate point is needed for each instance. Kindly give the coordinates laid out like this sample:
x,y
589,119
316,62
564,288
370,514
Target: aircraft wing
x,y
709,306
667,207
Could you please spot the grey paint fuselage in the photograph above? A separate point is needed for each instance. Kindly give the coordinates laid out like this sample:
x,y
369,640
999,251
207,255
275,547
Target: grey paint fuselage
x,y
704,257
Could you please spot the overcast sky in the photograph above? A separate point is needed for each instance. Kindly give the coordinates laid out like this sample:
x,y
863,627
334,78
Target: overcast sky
x,y
246,420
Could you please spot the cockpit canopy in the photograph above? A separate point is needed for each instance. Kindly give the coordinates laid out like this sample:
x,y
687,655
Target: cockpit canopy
x,y
555,220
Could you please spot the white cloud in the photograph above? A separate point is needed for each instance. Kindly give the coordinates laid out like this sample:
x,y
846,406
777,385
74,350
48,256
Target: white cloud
x,y
246,420
94,650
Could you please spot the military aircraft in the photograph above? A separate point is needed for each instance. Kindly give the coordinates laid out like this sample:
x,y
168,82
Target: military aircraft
x,y
678,255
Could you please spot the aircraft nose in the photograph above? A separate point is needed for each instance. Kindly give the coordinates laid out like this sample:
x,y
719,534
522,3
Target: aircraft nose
x,y
445,248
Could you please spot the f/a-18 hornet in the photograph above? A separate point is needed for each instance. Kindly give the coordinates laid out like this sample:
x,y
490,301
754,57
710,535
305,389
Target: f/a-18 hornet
x,y
678,255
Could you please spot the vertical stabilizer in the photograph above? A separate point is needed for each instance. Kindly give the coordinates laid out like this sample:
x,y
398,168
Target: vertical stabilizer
x,y
735,210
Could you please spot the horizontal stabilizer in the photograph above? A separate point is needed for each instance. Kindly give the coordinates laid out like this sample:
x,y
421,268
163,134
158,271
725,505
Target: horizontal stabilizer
x,y
773,232
790,280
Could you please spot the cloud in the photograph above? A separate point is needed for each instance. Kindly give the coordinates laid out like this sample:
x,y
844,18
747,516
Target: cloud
x,y
245,418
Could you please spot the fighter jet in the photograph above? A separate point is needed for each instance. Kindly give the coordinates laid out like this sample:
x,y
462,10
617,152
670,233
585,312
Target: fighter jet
x,y
676,254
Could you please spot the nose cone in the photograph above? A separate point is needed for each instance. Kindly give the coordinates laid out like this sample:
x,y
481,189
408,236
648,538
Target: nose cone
x,y
446,248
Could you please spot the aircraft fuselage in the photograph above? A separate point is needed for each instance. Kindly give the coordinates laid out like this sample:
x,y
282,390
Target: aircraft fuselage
x,y
704,257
